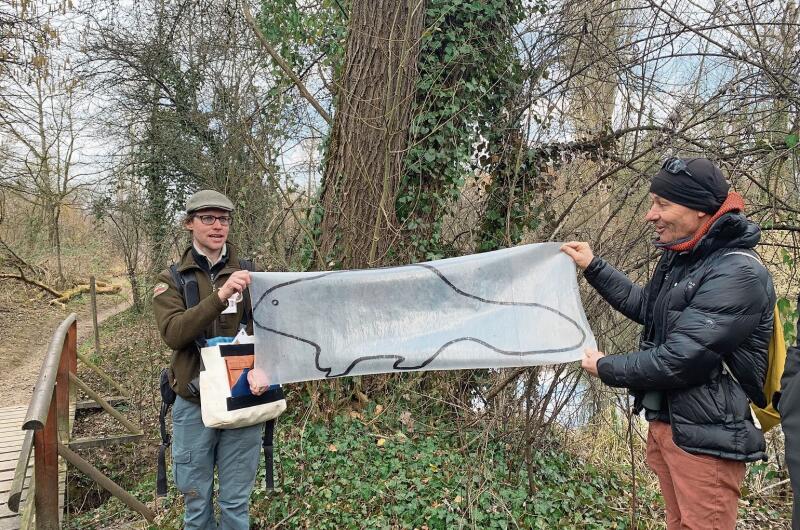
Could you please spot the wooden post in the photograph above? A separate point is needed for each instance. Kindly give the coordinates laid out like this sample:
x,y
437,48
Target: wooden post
x,y
93,291
45,466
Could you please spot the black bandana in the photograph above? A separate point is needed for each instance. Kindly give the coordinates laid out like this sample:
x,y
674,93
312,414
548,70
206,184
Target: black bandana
x,y
701,186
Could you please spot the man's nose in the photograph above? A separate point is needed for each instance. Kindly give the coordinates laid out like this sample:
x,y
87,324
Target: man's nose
x,y
651,215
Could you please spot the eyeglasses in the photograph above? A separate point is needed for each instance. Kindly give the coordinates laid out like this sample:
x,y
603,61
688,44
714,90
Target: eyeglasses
x,y
224,220
675,166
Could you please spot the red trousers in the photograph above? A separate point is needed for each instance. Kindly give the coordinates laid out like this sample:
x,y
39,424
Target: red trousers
x,y
700,491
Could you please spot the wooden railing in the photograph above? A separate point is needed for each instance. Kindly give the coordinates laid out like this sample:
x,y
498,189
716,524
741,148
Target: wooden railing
x,y
48,426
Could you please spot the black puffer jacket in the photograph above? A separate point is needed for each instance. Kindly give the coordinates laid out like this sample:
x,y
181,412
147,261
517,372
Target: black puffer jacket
x,y
712,303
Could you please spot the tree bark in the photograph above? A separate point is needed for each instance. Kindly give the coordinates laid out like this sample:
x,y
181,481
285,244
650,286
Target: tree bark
x,y
370,132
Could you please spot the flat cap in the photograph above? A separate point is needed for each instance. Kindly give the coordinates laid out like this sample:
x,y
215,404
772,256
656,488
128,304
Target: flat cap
x,y
206,199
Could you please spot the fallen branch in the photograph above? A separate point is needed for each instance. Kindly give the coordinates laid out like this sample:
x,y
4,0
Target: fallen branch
x,y
40,285
101,288
17,261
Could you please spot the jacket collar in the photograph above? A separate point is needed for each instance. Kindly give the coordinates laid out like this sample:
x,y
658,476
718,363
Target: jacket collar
x,y
199,254
191,259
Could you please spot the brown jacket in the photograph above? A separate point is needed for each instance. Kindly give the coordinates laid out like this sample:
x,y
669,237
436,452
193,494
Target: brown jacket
x,y
180,326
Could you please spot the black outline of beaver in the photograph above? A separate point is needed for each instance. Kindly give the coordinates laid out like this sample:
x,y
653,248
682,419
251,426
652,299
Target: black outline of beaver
x,y
399,358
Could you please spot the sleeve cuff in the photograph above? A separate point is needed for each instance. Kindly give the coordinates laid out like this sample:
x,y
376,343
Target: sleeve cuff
x,y
605,370
594,268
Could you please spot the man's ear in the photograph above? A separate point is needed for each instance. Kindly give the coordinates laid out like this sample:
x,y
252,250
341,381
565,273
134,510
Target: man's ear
x,y
700,214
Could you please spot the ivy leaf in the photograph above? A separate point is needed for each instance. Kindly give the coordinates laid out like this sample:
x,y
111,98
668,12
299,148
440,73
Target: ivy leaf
x,y
783,305
792,140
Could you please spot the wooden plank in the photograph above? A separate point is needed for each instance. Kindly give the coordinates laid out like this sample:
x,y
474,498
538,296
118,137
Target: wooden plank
x,y
9,519
18,409
102,441
12,423
90,404
10,524
8,457
8,465
12,418
9,475
5,486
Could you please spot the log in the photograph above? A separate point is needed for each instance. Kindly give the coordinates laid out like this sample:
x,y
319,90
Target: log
x,y
102,288
40,285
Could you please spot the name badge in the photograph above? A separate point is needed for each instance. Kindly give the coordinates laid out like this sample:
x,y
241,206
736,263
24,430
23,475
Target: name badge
x,y
232,301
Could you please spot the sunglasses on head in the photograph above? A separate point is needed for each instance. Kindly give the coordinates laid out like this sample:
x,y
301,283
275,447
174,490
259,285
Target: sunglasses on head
x,y
675,166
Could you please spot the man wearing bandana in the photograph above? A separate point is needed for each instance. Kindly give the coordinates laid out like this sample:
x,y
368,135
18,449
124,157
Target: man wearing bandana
x,y
707,318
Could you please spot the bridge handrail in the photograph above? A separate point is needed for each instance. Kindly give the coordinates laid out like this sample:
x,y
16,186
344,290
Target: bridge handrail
x,y
43,391
47,415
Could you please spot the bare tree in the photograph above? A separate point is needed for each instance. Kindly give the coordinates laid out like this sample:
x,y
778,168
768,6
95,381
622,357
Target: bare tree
x,y
45,134
370,131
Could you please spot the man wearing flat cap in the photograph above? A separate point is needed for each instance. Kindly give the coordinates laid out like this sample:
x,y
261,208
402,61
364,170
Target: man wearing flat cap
x,y
221,305
707,321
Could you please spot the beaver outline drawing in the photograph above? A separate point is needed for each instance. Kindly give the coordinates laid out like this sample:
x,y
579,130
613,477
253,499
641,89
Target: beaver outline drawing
x,y
398,330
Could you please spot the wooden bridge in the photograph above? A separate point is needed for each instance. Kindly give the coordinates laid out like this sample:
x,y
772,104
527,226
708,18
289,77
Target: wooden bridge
x,y
32,493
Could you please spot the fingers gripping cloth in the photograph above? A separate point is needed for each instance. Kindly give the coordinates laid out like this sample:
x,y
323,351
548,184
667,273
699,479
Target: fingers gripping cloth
x,y
513,307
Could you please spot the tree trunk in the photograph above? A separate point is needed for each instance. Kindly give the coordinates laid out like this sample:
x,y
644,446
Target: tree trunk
x,y
370,132
138,306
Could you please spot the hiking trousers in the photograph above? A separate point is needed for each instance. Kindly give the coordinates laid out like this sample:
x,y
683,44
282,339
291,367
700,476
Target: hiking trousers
x,y
196,450
700,492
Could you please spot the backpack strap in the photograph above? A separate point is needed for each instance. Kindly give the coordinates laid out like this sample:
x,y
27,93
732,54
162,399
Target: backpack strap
x,y
267,444
187,286
167,399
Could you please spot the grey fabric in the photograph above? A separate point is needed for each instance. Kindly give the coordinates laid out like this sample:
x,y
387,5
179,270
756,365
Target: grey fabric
x,y
712,303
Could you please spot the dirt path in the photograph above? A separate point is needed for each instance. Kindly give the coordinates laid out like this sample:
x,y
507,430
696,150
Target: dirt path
x,y
26,332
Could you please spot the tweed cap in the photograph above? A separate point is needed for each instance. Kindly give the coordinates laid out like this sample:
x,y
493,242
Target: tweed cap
x,y
207,199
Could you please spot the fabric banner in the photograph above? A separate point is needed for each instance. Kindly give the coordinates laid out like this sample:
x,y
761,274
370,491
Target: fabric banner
x,y
513,307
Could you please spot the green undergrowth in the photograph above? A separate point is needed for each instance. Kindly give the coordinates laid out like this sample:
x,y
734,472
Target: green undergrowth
x,y
346,474
367,469
401,464
355,473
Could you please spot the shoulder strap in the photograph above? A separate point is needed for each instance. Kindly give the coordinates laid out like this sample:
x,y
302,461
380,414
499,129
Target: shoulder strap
x,y
191,289
177,279
186,284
